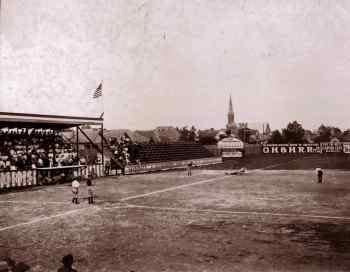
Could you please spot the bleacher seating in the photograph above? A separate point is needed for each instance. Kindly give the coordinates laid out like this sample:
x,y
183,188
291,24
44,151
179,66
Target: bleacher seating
x,y
149,153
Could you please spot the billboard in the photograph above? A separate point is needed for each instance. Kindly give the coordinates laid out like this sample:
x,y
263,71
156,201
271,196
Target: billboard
x,y
291,148
306,148
346,148
331,147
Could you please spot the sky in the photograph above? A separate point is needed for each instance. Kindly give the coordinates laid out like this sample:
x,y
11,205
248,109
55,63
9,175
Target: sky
x,y
176,62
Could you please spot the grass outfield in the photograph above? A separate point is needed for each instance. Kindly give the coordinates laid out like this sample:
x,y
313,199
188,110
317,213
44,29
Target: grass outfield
x,y
265,220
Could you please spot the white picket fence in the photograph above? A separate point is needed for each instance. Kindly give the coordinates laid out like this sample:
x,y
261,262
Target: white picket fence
x,y
95,170
27,178
15,179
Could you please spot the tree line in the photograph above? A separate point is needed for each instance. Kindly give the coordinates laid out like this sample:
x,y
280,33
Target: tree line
x,y
292,133
295,133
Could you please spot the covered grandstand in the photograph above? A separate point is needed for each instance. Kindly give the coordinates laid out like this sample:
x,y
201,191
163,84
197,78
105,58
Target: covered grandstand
x,y
33,151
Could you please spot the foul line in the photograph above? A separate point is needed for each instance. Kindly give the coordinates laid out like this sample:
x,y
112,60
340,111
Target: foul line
x,y
157,208
171,188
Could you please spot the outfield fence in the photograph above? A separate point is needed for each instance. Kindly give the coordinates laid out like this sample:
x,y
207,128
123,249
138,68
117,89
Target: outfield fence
x,y
150,167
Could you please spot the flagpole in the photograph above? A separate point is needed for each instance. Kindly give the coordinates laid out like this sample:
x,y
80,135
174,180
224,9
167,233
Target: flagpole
x,y
102,127
102,96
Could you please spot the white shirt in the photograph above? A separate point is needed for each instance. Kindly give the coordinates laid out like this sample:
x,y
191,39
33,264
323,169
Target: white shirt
x,y
75,184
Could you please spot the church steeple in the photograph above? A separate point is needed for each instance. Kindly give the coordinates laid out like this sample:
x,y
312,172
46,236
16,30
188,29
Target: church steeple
x,y
231,114
230,107
231,125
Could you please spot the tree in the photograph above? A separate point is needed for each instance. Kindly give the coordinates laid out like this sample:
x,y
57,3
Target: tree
x,y
323,134
309,136
193,136
293,133
207,137
326,133
184,134
276,137
336,132
187,135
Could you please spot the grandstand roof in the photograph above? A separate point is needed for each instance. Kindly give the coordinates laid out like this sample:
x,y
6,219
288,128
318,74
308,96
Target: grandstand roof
x,y
13,120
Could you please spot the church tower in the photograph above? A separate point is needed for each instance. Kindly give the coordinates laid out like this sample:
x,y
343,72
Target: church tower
x,y
231,125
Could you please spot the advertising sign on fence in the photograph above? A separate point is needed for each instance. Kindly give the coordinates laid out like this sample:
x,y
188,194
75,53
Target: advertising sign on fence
x,y
346,148
306,148
291,148
331,147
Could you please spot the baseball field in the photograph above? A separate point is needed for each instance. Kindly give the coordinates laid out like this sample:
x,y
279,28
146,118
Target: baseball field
x,y
263,220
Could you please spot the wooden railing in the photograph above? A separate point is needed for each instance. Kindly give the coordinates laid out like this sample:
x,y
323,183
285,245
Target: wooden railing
x,y
34,177
16,179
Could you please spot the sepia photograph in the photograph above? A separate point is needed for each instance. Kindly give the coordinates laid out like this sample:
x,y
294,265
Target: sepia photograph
x,y
174,136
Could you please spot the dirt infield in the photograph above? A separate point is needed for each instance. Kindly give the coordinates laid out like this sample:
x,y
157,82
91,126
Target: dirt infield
x,y
265,220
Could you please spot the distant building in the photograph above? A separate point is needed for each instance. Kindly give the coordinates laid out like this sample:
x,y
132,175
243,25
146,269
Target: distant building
x,y
208,136
150,135
162,134
266,129
119,133
346,136
261,127
167,134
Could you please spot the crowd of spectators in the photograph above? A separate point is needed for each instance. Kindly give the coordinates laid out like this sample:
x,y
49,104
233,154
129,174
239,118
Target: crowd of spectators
x,y
24,149
124,149
120,148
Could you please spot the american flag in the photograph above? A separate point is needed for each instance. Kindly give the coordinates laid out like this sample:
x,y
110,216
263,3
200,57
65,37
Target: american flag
x,y
98,91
